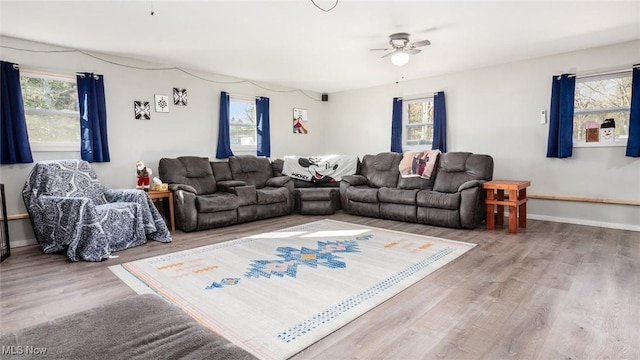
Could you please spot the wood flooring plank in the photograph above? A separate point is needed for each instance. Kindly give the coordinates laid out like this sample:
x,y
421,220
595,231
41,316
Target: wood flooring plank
x,y
550,291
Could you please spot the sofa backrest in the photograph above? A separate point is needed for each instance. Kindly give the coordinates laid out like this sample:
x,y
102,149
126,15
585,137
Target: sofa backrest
x,y
221,170
276,167
251,169
189,170
381,170
456,168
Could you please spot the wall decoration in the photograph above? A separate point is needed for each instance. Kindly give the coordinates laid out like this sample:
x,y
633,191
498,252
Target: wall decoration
x,y
299,120
162,103
179,97
592,131
142,110
608,130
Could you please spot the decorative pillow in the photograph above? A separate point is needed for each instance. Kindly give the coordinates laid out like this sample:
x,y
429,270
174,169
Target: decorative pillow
x,y
418,163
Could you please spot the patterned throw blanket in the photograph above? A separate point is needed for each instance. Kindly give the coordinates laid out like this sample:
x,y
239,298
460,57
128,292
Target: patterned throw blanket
x,y
320,169
418,163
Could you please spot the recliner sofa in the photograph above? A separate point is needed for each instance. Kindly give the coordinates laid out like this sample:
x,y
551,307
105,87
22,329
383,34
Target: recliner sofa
x,y
451,197
213,194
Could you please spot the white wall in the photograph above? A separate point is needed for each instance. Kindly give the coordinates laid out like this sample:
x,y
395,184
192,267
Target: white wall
x,y
492,110
190,130
496,111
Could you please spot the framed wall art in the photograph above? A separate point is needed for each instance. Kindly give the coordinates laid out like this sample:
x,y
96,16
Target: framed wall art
x,y
299,121
179,97
142,110
162,103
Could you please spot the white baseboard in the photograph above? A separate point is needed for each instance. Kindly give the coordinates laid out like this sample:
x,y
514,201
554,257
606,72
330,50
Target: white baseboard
x,y
21,243
584,222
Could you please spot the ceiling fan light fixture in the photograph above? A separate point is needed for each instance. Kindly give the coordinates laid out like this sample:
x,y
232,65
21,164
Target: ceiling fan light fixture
x,y
400,58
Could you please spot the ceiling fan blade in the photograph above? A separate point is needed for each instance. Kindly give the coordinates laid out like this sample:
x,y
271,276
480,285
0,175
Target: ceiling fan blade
x,y
389,54
412,51
421,43
379,49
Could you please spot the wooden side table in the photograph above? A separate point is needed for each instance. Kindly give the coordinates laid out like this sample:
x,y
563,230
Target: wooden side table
x,y
164,194
517,202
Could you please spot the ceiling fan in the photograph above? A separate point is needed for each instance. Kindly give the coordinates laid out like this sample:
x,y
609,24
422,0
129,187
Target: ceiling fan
x,y
401,48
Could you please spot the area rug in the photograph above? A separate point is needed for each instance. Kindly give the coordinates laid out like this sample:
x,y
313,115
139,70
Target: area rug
x,y
276,293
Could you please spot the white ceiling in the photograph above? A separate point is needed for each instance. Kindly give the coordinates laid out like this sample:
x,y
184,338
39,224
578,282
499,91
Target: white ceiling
x,y
295,44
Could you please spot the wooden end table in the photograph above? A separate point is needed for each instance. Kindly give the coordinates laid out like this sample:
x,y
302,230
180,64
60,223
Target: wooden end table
x,y
164,194
517,202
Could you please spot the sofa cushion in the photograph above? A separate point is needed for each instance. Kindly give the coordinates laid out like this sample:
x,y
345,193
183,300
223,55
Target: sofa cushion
x,y
438,200
381,170
269,195
416,182
397,196
216,202
189,170
362,194
246,195
221,170
251,169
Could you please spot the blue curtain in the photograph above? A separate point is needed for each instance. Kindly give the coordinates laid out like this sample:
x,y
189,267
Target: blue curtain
x,y
264,135
94,144
560,143
15,140
224,139
633,143
439,122
396,126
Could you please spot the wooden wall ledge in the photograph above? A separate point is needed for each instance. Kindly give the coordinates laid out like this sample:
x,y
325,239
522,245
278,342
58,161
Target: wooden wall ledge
x,y
530,196
16,216
585,199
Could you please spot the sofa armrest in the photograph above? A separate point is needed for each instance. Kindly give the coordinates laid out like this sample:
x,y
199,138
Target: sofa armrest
x,y
186,212
470,184
278,181
184,187
229,185
355,180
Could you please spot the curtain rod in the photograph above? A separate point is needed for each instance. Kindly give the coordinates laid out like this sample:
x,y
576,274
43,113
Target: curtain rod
x,y
418,98
604,72
244,96
95,76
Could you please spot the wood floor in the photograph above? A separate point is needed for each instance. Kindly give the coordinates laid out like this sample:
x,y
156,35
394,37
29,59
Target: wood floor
x,y
551,291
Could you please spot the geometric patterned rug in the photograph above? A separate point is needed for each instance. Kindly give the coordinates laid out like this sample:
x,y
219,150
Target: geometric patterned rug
x,y
274,294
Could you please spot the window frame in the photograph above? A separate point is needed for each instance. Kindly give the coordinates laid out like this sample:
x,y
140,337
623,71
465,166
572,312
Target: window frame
x,y
244,149
617,141
51,146
406,125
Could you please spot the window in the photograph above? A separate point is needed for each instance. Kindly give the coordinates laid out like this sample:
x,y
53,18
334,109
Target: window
x,y
51,111
242,125
598,98
417,123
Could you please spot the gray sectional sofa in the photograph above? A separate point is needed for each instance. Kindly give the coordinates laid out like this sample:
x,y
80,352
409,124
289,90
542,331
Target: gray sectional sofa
x,y
451,197
209,194
213,194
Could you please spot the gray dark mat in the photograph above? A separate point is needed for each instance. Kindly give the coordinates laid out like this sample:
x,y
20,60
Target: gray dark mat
x,y
139,327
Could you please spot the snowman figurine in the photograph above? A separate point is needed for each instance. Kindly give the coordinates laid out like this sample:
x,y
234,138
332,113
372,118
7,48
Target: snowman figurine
x,y
607,130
